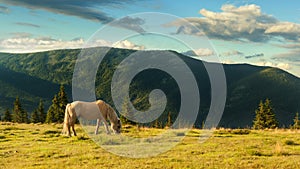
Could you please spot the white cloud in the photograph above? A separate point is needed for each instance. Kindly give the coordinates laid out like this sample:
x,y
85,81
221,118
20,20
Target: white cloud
x,y
239,24
98,43
25,43
28,44
128,45
284,66
228,62
284,27
199,52
292,56
232,53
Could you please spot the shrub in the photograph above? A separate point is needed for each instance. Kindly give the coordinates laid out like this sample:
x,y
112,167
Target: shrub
x,y
290,142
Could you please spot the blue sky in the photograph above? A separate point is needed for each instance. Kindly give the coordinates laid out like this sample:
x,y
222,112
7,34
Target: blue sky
x,y
255,31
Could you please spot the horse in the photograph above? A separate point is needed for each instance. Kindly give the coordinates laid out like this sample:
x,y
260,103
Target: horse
x,y
98,110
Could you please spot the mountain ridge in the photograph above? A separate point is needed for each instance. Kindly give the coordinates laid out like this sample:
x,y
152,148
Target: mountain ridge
x,y
246,84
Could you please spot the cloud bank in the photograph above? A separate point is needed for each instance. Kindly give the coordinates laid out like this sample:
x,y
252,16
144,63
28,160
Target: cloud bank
x,y
23,42
201,52
85,9
232,53
26,44
244,23
128,45
284,66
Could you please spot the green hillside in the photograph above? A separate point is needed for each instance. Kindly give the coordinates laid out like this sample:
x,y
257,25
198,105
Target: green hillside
x,y
38,76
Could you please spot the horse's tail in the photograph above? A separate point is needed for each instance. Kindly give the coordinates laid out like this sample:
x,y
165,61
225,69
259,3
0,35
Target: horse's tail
x,y
67,118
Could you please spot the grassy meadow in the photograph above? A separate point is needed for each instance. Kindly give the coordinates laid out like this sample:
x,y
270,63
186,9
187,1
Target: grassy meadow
x,y
43,146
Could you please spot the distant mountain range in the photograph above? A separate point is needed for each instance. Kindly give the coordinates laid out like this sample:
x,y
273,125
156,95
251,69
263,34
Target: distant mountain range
x,y
36,76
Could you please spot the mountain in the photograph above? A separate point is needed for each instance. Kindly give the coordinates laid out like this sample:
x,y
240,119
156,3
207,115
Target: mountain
x,y
36,76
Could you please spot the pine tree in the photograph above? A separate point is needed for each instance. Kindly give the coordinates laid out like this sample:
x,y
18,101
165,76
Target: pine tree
x,y
50,116
62,102
169,122
156,123
25,117
41,112
265,116
53,111
19,114
7,116
62,95
258,123
34,117
271,121
56,111
296,121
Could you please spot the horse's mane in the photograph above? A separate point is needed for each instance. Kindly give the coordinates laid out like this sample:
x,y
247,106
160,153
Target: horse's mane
x,y
107,111
112,115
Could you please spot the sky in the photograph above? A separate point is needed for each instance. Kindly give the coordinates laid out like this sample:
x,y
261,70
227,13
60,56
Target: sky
x,y
258,32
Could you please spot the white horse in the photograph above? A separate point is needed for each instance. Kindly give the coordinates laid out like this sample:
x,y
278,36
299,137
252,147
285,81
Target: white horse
x,y
91,111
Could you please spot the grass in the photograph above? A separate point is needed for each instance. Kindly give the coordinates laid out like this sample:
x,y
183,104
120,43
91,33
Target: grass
x,y
42,146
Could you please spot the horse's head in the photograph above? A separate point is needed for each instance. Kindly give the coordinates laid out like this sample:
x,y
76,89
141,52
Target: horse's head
x,y
116,126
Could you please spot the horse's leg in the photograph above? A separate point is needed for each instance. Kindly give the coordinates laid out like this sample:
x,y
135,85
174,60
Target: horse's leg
x,y
69,131
63,129
106,127
74,130
97,126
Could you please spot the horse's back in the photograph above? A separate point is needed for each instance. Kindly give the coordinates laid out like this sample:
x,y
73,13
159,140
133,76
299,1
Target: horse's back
x,y
86,110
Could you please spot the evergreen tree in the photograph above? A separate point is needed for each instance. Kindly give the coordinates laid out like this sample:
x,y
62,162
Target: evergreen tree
x,y
50,116
25,116
7,116
296,121
53,111
34,117
258,123
169,122
56,111
62,96
19,114
41,112
156,123
271,121
62,102
17,111
265,116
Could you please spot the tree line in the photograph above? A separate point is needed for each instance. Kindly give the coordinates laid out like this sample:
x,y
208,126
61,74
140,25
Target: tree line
x,y
55,113
264,114
264,118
